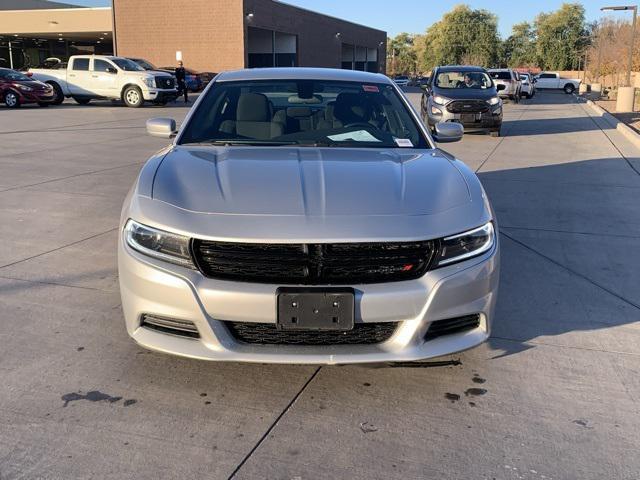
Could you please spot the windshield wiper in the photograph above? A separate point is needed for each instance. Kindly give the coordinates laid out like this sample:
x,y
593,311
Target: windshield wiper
x,y
235,142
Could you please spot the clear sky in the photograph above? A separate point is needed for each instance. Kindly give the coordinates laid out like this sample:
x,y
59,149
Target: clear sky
x,y
414,16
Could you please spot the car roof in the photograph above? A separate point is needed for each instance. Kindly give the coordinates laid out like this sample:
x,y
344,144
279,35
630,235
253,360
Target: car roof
x,y
461,68
302,73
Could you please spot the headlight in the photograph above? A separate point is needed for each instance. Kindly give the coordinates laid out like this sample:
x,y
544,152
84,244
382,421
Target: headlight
x,y
435,110
440,100
25,88
494,100
466,245
158,244
149,82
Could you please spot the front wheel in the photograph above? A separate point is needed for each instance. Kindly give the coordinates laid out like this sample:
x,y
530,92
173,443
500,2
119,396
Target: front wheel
x,y
132,97
569,88
82,100
11,99
57,90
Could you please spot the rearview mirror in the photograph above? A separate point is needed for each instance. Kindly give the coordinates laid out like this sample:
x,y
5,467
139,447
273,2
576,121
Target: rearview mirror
x,y
500,86
161,127
448,132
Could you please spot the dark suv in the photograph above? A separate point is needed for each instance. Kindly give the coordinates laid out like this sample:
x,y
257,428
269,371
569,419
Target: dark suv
x,y
462,94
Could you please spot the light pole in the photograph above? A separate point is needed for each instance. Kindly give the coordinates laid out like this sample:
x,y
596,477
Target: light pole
x,y
633,35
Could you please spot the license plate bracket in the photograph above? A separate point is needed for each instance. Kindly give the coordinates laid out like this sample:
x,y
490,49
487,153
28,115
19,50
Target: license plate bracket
x,y
318,309
470,117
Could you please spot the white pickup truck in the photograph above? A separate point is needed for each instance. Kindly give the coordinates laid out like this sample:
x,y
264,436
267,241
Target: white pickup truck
x,y
549,80
99,76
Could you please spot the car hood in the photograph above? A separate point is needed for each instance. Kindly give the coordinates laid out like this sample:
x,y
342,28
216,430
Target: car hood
x,y
466,93
282,181
35,84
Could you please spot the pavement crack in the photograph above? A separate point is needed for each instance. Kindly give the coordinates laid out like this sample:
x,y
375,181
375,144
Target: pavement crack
x,y
569,232
274,423
18,187
578,274
57,248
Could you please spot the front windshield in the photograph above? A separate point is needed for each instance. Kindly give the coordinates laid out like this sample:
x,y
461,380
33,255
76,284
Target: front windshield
x,y
14,76
127,65
462,79
304,113
144,64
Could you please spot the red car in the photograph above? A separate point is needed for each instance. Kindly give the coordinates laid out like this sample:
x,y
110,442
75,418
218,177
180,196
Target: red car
x,y
16,88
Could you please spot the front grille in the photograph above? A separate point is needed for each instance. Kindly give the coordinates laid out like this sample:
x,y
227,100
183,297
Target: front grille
x,y
313,264
165,82
452,325
468,106
173,326
269,334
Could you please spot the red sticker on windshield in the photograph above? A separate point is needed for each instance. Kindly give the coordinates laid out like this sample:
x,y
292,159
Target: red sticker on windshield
x,y
370,88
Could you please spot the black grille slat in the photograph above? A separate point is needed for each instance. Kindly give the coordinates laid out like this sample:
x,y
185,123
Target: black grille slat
x,y
468,106
452,325
269,334
313,264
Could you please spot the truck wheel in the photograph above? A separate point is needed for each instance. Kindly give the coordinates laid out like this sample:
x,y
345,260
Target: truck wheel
x,y
495,133
82,100
132,97
58,92
11,99
569,88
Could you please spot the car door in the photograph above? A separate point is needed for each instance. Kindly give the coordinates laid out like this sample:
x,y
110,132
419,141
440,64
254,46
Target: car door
x,y
105,78
79,77
547,80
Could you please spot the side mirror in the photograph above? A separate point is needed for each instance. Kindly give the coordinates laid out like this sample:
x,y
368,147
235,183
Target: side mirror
x,y
424,86
448,132
500,86
112,70
161,127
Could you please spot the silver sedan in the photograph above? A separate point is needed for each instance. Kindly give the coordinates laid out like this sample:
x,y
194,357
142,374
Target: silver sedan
x,y
306,216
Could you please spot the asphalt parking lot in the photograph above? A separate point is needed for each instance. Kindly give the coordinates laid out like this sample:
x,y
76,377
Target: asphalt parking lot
x,y
555,393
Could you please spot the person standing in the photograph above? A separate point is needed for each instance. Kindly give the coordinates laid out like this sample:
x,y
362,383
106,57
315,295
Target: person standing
x,y
181,78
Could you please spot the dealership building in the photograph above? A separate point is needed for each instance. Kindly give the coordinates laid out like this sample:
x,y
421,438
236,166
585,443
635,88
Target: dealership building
x,y
209,35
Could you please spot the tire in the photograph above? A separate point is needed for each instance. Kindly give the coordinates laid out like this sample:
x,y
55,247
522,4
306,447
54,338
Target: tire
x,y
82,100
11,99
132,97
495,133
59,93
569,88
44,104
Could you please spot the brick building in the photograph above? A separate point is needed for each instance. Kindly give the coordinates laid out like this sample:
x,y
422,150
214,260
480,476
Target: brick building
x,y
216,35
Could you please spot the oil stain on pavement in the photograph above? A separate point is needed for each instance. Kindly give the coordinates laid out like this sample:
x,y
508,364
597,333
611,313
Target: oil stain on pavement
x,y
94,396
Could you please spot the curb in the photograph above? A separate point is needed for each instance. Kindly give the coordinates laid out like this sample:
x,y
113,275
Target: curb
x,y
616,124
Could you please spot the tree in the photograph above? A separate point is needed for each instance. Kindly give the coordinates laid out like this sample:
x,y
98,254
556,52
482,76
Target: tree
x,y
519,49
401,54
561,37
462,34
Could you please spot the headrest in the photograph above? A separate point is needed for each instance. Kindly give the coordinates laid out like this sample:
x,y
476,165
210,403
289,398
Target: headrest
x,y
350,107
253,107
299,112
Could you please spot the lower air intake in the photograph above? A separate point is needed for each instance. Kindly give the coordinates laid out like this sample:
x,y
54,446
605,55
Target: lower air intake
x,y
449,326
173,326
268,334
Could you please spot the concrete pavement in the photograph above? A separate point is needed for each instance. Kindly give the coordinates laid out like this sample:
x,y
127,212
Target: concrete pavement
x,y
555,394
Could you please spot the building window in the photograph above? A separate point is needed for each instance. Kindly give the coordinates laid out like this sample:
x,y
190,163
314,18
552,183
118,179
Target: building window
x,y
267,48
355,57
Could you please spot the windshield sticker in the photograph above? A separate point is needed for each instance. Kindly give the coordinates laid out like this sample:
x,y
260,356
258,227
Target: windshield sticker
x,y
403,142
357,136
370,88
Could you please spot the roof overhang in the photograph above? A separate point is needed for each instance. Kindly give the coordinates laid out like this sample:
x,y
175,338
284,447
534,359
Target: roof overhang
x,y
68,23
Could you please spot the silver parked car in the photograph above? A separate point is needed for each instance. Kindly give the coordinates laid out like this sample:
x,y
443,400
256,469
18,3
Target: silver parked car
x,y
306,216
511,81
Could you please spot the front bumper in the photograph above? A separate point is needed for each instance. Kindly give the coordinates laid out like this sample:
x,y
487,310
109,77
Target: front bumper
x,y
490,120
160,95
37,96
149,286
